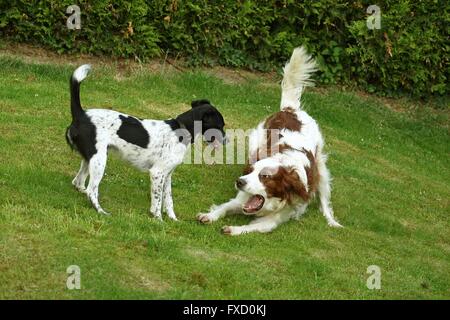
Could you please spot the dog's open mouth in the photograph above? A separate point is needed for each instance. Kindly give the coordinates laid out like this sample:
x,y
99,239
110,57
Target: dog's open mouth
x,y
253,204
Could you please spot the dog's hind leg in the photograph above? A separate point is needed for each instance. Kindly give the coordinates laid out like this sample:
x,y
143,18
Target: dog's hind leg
x,y
325,192
79,181
168,201
97,166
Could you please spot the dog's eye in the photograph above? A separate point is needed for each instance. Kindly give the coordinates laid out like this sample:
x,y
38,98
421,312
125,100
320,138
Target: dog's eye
x,y
264,176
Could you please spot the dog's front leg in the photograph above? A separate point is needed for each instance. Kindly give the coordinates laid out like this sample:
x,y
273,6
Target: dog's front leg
x,y
262,225
217,212
168,201
158,178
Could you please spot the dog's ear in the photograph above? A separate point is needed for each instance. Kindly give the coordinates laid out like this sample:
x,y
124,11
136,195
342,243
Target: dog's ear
x,y
286,184
202,112
296,186
197,103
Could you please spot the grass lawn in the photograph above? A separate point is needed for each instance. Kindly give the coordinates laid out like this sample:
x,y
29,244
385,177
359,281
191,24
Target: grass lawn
x,y
391,192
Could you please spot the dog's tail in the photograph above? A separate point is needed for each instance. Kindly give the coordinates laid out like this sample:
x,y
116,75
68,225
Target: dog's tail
x,y
297,73
78,75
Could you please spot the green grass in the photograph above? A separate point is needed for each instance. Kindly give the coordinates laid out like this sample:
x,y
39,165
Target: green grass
x,y
391,192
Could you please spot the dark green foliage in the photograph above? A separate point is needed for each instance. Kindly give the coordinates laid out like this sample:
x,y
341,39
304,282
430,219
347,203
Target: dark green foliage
x,y
409,55
118,28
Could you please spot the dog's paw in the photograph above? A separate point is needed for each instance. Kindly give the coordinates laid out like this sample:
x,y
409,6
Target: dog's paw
x,y
204,218
335,224
156,216
232,231
227,230
80,188
101,211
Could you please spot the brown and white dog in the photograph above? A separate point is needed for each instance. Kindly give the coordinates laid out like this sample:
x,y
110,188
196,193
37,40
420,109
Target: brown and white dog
x,y
287,165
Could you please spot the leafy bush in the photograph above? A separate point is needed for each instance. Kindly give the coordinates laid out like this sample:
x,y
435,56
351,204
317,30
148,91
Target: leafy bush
x,y
116,28
408,55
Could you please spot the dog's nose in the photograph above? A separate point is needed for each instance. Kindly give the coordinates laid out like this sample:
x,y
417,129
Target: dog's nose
x,y
240,183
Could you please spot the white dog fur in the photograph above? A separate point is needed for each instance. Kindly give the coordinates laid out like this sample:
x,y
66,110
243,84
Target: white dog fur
x,y
301,148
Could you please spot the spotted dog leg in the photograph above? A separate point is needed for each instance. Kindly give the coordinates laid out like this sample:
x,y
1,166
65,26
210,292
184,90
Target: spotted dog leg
x,y
97,166
168,201
158,178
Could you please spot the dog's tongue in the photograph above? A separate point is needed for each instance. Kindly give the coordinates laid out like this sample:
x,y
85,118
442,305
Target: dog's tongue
x,y
254,203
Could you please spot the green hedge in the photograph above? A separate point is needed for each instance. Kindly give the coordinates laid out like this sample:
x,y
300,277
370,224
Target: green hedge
x,y
409,55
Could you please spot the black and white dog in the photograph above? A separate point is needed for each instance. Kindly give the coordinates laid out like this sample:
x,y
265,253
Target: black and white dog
x,y
151,145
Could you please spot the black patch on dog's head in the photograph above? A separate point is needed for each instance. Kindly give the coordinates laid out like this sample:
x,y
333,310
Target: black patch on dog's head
x,y
132,131
211,119
200,102
174,125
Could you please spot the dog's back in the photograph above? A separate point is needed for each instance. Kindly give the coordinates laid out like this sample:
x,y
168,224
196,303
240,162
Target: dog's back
x,y
291,127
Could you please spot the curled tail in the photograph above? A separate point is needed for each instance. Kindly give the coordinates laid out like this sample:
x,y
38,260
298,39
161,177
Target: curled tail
x,y
75,105
297,73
